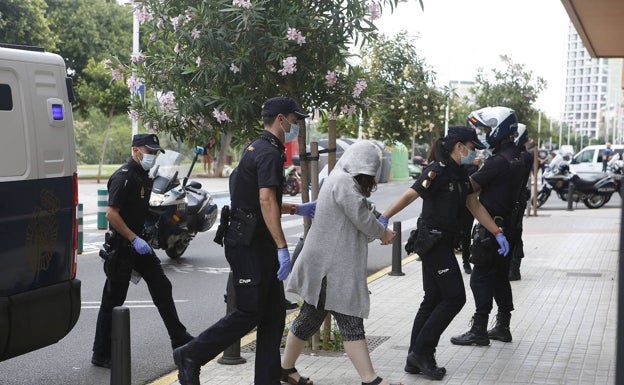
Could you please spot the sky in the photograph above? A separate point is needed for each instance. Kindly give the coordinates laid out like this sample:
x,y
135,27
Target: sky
x,y
456,37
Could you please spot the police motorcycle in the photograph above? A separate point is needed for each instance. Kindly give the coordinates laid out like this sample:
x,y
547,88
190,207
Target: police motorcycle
x,y
615,169
178,210
593,193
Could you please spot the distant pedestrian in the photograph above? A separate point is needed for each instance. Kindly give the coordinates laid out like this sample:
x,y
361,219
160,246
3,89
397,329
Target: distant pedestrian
x,y
208,155
607,153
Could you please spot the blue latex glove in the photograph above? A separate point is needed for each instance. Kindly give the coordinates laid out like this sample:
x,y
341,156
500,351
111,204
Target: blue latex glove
x,y
283,256
502,242
383,220
141,246
307,209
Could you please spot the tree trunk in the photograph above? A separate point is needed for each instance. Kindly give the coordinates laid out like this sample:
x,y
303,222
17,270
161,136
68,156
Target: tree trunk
x,y
111,113
225,144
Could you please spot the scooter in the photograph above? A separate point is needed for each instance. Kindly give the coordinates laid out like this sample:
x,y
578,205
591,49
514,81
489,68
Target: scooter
x,y
594,193
177,210
292,182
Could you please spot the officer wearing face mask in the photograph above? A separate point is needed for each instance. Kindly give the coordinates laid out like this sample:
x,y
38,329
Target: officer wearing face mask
x,y
129,190
256,249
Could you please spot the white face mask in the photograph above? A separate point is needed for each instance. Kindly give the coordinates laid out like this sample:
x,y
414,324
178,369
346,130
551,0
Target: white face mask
x,y
148,161
292,135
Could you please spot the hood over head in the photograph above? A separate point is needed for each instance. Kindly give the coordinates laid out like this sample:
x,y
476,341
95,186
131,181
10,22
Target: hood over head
x,y
362,157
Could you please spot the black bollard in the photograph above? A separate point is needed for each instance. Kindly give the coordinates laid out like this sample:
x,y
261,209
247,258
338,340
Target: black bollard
x,y
120,350
569,196
231,355
396,250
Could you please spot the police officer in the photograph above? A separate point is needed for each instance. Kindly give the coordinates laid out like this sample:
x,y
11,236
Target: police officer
x,y
445,190
498,185
517,253
256,250
129,191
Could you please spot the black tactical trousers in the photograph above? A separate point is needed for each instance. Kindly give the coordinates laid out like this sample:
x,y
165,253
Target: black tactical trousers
x,y
445,295
116,289
490,283
259,303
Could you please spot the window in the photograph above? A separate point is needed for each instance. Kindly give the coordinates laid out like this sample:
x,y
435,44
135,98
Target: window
x,y
6,99
585,156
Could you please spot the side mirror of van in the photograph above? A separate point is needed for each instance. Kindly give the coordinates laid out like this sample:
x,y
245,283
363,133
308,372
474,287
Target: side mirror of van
x,y
574,161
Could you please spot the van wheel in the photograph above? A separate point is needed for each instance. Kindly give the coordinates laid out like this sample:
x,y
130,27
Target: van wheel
x,y
177,250
595,201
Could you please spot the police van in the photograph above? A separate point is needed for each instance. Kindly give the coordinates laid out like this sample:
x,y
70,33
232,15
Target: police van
x,y
39,292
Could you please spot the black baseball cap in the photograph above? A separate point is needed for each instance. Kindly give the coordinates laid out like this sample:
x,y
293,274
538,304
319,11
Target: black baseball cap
x,y
282,105
465,134
148,140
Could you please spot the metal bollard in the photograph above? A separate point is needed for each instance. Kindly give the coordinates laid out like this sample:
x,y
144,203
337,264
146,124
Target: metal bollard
x,y
120,350
569,196
231,355
396,250
80,229
102,223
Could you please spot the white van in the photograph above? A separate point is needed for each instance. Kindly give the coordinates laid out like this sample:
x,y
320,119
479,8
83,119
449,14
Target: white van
x,y
587,163
39,292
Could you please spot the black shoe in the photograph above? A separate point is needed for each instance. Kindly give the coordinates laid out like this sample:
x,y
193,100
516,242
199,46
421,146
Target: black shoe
x,y
427,365
467,268
500,333
290,305
177,342
102,362
188,370
471,338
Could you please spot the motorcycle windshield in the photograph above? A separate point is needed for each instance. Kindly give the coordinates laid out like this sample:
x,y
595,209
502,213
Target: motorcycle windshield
x,y
169,163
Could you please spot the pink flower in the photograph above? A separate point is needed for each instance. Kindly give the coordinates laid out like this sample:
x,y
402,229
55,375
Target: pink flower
x,y
234,68
137,57
167,102
107,63
116,73
177,48
195,34
133,83
220,116
348,110
152,36
160,23
142,14
331,78
294,34
242,3
375,10
289,66
360,86
198,61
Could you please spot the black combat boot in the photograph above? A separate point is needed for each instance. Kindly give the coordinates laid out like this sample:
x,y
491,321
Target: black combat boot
x,y
477,335
514,269
501,330
426,364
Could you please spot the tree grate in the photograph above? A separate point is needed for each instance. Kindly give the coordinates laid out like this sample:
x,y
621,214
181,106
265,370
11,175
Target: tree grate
x,y
371,341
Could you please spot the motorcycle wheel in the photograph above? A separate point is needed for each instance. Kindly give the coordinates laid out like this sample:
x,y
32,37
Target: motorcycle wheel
x,y
595,201
177,250
292,187
542,197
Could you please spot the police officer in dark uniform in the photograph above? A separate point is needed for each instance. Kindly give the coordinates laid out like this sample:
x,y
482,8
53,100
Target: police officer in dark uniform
x,y
129,190
445,189
498,185
256,250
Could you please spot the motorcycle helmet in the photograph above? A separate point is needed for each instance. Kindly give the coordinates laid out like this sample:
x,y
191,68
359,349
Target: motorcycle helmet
x,y
499,123
523,135
563,168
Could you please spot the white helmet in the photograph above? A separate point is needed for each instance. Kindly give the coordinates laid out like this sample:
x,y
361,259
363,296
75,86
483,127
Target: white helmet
x,y
523,135
498,123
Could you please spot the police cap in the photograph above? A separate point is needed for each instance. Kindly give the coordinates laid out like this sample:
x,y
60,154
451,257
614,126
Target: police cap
x,y
148,140
464,134
282,105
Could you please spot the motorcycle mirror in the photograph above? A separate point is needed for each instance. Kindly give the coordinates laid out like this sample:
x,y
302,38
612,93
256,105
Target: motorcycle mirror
x,y
199,150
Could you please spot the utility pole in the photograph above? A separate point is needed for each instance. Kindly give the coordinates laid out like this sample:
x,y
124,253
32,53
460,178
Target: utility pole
x,y
539,126
135,50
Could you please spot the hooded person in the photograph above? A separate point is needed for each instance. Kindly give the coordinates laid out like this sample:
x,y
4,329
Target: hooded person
x,y
330,273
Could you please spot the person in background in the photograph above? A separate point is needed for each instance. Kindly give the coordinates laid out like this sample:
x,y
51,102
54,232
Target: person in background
x,y
445,190
256,249
129,190
330,273
208,154
607,153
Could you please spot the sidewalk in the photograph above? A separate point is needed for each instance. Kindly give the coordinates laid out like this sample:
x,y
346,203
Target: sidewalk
x,y
564,325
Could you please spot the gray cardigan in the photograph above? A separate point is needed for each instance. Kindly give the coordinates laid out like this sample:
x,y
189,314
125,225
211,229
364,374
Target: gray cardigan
x,y
337,244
